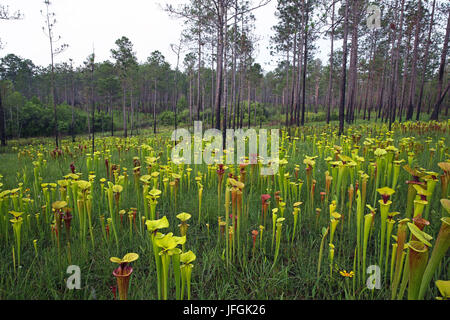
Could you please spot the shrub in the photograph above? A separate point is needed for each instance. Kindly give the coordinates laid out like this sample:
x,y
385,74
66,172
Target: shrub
x,y
166,118
35,119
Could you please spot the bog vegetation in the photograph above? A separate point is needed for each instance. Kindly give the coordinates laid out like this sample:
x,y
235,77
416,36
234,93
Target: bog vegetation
x,y
337,205
359,208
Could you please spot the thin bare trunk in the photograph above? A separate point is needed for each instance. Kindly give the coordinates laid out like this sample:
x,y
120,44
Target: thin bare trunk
x,y
393,97
285,91
2,121
124,112
305,60
225,74
154,110
435,114
248,101
405,74
344,72
330,79
425,64
199,97
412,87
293,84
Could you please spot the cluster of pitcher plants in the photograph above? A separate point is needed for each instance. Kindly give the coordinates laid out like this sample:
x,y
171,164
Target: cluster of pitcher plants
x,y
369,197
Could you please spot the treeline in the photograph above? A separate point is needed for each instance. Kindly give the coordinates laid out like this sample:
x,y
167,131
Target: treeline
x,y
31,118
388,63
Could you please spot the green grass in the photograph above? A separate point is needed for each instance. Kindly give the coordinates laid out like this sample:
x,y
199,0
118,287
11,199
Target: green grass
x,y
248,277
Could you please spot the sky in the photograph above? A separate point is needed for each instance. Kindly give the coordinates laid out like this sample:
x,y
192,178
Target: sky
x,y
87,25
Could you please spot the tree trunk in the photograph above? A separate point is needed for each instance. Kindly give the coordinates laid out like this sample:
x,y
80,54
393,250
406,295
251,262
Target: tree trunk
x,y
299,78
2,122
112,117
242,86
124,112
393,97
199,97
225,73
425,64
412,87
439,102
235,96
353,62
285,91
212,87
405,73
132,112
435,114
72,125
369,77
219,68
190,97
54,104
316,96
248,101
240,112
344,72
93,108
293,84
305,60
52,80
330,79
175,98
256,102
154,110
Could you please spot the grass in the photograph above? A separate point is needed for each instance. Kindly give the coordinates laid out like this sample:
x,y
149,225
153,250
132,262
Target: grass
x,y
249,277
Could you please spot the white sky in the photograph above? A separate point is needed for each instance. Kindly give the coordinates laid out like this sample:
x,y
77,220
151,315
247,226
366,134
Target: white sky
x,y
83,24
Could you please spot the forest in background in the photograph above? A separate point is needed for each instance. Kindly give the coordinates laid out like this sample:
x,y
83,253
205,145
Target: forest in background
x,y
393,73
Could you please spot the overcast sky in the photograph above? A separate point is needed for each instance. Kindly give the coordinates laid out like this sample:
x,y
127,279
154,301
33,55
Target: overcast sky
x,y
84,24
